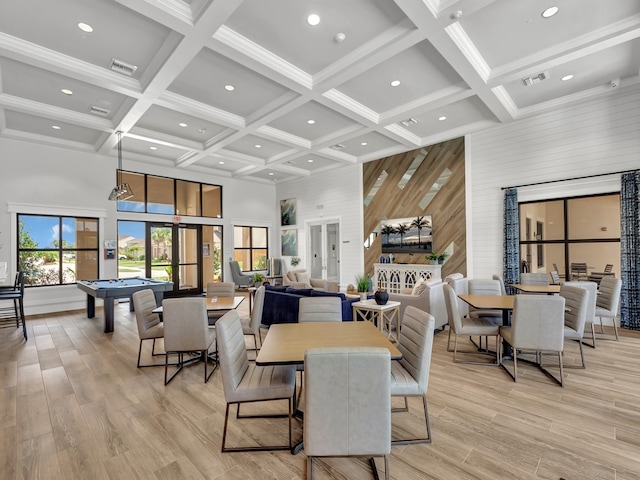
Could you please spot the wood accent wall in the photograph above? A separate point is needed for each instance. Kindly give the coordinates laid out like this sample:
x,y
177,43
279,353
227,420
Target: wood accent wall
x,y
447,209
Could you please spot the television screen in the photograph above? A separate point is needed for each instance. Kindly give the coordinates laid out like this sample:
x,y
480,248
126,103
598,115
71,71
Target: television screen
x,y
407,235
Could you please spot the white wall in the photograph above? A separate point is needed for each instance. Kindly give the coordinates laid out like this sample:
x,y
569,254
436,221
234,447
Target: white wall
x,y
336,194
48,176
599,136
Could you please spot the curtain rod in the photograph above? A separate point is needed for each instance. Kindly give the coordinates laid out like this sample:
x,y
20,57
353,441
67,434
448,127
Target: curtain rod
x,y
569,179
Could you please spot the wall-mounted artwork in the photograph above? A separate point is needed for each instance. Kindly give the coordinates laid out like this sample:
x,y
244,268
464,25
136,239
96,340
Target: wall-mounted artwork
x,y
289,240
407,235
288,212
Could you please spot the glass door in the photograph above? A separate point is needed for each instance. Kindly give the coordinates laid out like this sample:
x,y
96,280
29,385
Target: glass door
x,y
324,251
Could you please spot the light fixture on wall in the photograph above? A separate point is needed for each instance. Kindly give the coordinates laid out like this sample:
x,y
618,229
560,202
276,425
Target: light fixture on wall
x,y
122,191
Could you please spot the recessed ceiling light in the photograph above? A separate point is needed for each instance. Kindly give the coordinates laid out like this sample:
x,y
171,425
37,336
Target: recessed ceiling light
x,y
311,122
271,173
363,143
56,127
257,145
442,118
153,148
310,160
549,12
229,88
566,77
182,124
313,19
85,27
66,91
221,162
395,83
202,130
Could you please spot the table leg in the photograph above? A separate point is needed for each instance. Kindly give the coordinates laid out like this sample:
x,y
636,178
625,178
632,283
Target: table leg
x,y
506,348
108,314
91,306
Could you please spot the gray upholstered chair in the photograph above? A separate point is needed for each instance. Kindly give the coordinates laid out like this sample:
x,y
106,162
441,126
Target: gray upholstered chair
x,y
499,278
430,299
244,382
240,279
219,289
534,279
320,309
578,271
251,324
460,285
410,375
537,325
347,404
481,286
186,330
607,302
149,325
580,302
555,277
460,326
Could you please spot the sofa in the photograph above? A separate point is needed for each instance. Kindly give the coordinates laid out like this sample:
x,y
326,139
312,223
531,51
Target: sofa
x,y
427,296
281,303
300,279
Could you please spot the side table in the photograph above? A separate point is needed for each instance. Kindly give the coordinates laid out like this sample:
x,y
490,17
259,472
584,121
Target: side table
x,y
381,315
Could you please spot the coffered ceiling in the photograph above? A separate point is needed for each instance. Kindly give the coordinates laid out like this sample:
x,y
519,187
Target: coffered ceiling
x,y
250,89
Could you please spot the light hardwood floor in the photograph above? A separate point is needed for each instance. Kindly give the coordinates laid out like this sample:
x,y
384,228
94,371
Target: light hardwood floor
x,y
73,405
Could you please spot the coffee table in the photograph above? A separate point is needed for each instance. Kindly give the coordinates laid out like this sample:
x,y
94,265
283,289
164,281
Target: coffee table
x,y
381,315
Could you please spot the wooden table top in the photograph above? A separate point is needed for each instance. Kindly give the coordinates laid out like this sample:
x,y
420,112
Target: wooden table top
x,y
493,302
286,343
216,303
537,288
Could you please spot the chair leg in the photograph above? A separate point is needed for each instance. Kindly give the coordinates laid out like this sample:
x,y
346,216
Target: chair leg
x,y
413,441
153,354
309,468
615,328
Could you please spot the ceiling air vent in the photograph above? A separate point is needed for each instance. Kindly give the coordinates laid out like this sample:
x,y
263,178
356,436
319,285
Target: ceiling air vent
x,y
122,67
337,146
103,112
409,121
533,79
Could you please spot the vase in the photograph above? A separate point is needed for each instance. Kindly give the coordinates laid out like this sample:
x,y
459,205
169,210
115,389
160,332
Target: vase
x,y
363,296
381,296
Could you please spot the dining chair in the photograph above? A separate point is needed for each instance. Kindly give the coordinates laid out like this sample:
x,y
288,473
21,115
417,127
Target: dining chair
x,y
499,278
186,330
410,374
481,286
460,326
537,326
607,302
555,278
534,279
347,405
219,289
15,311
251,323
148,323
580,305
578,271
320,309
460,285
245,382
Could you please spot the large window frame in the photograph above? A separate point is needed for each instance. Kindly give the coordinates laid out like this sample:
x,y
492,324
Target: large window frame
x,y
250,253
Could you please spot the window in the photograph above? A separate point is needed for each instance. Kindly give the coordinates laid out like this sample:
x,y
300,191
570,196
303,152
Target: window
x,y
57,250
250,247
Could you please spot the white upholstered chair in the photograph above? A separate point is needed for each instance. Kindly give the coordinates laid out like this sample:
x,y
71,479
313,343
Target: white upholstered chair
x,y
149,325
320,309
219,289
580,302
499,278
410,375
244,382
460,285
481,286
607,302
459,326
430,299
186,330
534,279
537,326
251,324
347,404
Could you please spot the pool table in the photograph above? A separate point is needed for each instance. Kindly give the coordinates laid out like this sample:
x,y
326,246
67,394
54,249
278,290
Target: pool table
x,y
109,290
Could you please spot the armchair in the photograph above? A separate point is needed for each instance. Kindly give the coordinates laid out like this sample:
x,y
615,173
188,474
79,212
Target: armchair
x,y
430,300
240,279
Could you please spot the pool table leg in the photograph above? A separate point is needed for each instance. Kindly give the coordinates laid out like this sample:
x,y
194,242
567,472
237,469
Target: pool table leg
x,y
108,314
91,306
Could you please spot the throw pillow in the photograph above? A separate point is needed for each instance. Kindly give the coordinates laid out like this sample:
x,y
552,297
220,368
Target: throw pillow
x,y
419,287
303,278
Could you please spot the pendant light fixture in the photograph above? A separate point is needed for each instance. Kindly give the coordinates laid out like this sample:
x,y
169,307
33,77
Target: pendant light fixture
x,y
122,191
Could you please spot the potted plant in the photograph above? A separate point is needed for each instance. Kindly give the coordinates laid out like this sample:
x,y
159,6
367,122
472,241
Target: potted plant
x,y
258,278
362,284
295,261
442,257
432,257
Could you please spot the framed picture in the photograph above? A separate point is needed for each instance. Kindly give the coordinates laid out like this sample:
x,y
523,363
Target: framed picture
x,y
288,212
206,249
407,235
289,240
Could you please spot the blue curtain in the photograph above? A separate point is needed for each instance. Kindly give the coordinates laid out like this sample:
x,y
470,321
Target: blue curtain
x,y
511,241
630,250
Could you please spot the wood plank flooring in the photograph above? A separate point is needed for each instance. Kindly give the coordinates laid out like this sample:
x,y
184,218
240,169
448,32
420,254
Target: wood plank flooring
x,y
73,405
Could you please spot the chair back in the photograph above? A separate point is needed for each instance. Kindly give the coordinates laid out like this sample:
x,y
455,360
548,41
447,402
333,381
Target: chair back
x,y
256,313
481,286
592,290
578,269
538,322
347,401
186,326
144,301
577,302
534,279
608,268
609,296
221,289
460,287
416,343
555,277
499,278
320,309
232,353
451,300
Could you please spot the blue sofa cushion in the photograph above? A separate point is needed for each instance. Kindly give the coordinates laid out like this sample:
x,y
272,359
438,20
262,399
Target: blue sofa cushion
x,y
322,293
303,292
279,288
283,307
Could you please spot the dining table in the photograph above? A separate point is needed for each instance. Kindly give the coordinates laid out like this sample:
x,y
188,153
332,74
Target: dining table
x,y
215,304
548,289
